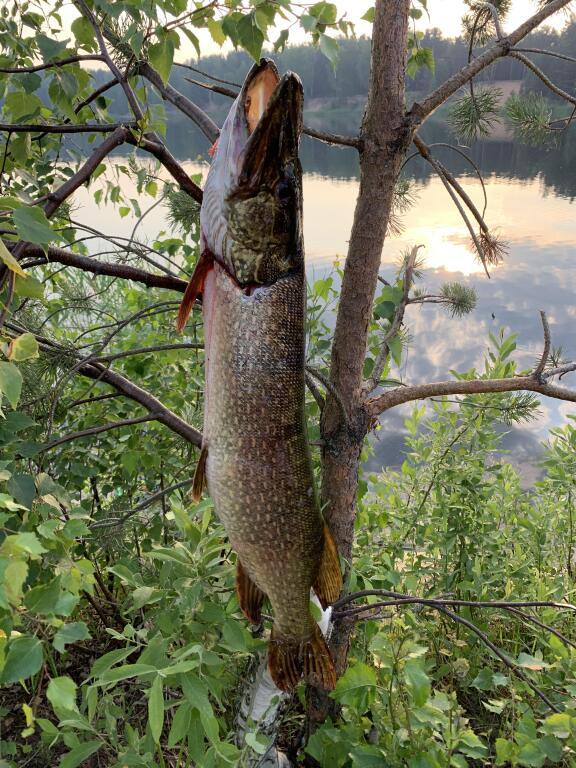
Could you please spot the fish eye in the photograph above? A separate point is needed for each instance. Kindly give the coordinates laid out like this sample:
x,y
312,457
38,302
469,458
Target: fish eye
x,y
283,190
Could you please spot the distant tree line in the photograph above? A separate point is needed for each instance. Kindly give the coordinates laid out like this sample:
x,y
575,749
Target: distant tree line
x,y
350,77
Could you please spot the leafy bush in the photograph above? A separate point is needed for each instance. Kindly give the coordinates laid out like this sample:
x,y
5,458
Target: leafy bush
x,y
125,639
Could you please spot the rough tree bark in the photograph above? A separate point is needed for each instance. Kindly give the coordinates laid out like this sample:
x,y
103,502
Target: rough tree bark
x,y
385,137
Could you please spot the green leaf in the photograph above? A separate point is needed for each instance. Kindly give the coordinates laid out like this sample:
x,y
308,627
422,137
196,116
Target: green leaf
x,y
325,13
70,633
156,709
395,347
22,542
84,33
530,754
180,724
9,260
417,681
530,662
24,659
22,106
330,48
505,751
215,29
32,225
23,488
50,48
10,383
14,577
80,754
23,347
125,672
43,599
356,687
369,15
249,36
559,724
61,693
29,288
161,56
470,745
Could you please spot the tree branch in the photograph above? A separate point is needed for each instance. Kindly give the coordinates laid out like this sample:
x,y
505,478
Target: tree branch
x,y
394,397
546,351
89,264
325,136
97,430
115,521
64,127
165,157
181,102
51,64
421,110
56,198
145,350
546,80
161,412
396,324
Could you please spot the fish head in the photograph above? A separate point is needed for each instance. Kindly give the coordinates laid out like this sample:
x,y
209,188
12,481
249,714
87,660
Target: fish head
x,y
251,217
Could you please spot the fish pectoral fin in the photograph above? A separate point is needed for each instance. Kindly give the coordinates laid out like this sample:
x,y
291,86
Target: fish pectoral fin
x,y
289,660
328,584
250,596
199,482
194,288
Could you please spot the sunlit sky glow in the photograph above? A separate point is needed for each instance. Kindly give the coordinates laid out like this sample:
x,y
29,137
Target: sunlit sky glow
x,y
446,15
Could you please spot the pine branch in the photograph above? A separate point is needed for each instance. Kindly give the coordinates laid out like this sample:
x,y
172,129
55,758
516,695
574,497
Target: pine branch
x,y
421,110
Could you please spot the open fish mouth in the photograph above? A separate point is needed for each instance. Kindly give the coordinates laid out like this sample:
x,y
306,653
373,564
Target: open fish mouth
x,y
272,107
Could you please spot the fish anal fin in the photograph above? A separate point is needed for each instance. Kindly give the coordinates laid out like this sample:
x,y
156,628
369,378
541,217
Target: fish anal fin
x,y
290,660
328,584
250,596
199,482
194,288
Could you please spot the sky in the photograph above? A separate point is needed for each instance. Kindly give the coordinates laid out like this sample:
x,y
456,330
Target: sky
x,y
446,15
443,14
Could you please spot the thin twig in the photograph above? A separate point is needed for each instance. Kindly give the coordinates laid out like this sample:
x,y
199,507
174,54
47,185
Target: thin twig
x,y
544,78
396,324
116,521
97,430
63,127
51,64
539,370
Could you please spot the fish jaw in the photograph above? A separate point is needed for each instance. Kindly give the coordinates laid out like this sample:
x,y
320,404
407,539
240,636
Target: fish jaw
x,y
251,215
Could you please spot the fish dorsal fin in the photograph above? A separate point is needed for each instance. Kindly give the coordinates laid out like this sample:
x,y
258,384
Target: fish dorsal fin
x,y
250,596
328,584
199,482
290,660
194,288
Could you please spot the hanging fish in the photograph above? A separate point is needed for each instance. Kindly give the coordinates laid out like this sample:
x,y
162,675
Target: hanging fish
x,y
255,457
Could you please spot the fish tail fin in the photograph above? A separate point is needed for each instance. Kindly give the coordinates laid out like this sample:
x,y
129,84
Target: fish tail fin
x,y
290,660
193,289
250,596
328,584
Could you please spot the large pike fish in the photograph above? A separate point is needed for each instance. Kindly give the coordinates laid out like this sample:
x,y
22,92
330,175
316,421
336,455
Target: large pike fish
x,y
255,457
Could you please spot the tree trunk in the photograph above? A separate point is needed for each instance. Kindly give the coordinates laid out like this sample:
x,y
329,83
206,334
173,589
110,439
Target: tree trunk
x,y
385,137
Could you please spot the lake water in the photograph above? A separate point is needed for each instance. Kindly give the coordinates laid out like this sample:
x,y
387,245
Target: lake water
x,y
531,194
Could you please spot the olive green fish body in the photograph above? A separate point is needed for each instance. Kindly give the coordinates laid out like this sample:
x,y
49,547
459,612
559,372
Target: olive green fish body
x,y
255,457
258,465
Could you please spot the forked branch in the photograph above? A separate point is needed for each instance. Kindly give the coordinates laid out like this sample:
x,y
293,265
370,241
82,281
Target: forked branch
x,y
421,110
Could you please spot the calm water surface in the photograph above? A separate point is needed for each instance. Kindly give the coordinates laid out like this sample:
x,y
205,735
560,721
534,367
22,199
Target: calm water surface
x,y
531,205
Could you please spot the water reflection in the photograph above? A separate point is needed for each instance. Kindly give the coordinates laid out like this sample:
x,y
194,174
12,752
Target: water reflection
x,y
530,205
